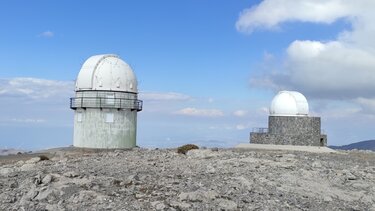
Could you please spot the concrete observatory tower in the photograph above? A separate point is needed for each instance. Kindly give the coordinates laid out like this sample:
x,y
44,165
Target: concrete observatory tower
x,y
289,123
105,104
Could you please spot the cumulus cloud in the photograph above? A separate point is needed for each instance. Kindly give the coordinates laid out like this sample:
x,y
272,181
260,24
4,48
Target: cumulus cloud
x,y
47,34
329,70
200,112
35,88
163,96
270,13
340,69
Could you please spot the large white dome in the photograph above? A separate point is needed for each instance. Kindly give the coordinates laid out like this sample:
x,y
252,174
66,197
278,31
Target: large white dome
x,y
289,103
106,72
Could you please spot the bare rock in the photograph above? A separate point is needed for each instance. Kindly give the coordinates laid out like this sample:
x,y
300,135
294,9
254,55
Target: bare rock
x,y
45,194
202,180
140,195
316,164
58,156
327,199
20,163
13,184
180,205
31,194
210,169
191,196
37,179
227,204
27,167
6,171
349,175
87,196
47,179
158,205
201,154
33,160
198,196
71,174
55,207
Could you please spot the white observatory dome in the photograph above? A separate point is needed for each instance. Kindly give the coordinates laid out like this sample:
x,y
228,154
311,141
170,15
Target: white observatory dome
x,y
289,103
108,73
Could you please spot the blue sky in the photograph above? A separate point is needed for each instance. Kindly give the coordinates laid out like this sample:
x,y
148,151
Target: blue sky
x,y
207,70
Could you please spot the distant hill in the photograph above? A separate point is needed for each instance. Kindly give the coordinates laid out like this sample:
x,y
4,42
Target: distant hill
x,y
10,151
362,145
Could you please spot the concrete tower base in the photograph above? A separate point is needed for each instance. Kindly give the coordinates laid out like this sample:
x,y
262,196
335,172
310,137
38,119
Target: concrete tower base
x,y
104,119
106,128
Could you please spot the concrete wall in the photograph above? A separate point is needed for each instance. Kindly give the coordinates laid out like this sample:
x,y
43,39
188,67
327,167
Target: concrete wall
x,y
105,128
291,130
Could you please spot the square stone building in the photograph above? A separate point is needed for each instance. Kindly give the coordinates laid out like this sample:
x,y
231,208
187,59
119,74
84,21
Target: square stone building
x,y
289,123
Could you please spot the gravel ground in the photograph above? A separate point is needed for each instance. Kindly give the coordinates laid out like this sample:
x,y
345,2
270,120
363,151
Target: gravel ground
x,y
203,179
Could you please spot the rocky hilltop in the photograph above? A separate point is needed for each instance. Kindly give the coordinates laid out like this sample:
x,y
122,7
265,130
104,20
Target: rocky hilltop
x,y
203,179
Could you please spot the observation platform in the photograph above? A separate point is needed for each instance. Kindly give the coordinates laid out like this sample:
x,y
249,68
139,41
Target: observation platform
x,y
104,102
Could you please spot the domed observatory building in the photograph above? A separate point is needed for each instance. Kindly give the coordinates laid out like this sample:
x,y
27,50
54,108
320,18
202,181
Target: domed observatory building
x,y
105,104
289,123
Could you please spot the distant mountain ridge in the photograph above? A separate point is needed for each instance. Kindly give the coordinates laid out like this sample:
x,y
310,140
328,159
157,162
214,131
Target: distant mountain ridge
x,y
10,151
362,145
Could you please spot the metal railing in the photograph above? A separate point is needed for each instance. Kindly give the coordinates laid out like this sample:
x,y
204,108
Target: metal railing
x,y
260,130
104,102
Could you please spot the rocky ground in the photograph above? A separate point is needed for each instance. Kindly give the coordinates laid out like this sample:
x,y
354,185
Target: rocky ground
x,y
204,179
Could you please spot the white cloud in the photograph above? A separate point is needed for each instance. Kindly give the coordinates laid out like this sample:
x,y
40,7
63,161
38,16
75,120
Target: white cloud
x,y
367,105
35,88
161,96
47,34
331,69
240,113
270,13
27,120
241,127
264,110
200,112
346,113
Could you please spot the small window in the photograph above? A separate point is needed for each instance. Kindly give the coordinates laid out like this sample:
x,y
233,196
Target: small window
x,y
109,117
79,117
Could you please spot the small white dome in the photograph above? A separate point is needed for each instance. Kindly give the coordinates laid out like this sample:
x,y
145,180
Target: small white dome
x,y
289,103
106,72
